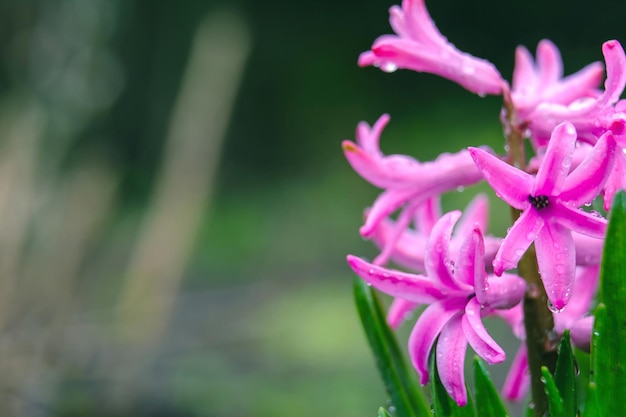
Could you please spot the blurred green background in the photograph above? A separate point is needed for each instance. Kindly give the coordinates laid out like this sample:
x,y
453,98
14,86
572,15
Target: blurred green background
x,y
176,206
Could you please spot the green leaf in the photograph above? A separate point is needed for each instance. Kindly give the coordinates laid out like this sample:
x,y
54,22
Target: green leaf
x,y
609,350
592,407
565,377
488,402
555,403
383,413
444,405
402,389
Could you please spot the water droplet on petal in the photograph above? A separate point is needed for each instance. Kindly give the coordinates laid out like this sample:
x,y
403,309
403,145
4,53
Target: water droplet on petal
x,y
553,308
389,67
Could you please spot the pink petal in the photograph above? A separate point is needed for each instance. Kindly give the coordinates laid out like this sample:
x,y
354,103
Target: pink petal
x,y
523,232
585,287
556,257
556,162
409,249
428,326
451,348
517,380
385,204
549,64
437,260
411,287
503,292
580,332
477,335
588,249
580,221
369,138
578,85
420,46
427,214
398,312
586,181
615,72
396,171
524,77
616,180
471,265
404,219
510,184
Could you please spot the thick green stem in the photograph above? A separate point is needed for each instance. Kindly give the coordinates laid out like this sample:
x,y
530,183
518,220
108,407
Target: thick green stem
x,y
538,320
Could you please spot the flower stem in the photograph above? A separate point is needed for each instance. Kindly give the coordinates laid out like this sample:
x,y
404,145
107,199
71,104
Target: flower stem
x,y
538,320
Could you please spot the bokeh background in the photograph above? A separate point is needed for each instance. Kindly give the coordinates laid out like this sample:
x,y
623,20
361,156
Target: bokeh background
x,y
175,206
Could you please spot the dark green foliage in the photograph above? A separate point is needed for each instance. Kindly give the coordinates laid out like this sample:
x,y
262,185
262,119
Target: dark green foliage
x,y
399,380
488,402
608,350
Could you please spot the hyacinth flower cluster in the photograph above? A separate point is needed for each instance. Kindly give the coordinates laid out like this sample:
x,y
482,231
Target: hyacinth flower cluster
x,y
459,275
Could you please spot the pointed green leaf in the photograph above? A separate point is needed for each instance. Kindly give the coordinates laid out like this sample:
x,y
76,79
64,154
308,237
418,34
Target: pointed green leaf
x,y
609,352
565,378
444,405
488,402
555,403
399,380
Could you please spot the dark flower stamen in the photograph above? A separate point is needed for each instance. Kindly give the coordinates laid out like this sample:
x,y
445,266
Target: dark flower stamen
x,y
539,201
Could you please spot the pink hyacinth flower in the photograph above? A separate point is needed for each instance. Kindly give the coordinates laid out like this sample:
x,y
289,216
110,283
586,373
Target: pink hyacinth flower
x,y
459,295
549,203
419,46
404,179
543,82
591,116
407,246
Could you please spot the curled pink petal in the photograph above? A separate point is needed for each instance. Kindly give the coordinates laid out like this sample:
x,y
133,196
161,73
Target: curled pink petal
x,y
503,292
471,264
425,332
477,335
437,261
450,357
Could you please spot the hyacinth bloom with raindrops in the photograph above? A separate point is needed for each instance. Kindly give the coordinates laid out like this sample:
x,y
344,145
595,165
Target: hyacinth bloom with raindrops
x,y
449,262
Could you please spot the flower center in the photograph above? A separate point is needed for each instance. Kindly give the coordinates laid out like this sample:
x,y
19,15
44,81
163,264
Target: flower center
x,y
539,201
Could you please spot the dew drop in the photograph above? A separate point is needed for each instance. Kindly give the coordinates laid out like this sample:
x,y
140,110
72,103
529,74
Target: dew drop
x,y
460,188
371,272
553,308
389,67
